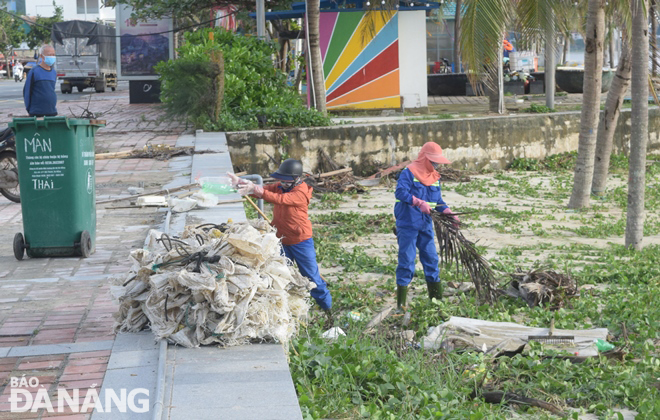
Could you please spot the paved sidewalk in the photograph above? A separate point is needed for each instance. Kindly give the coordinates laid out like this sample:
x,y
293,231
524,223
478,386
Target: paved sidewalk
x,y
56,314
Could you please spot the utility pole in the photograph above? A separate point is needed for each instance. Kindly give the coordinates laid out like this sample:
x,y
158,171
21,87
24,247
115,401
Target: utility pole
x,y
261,19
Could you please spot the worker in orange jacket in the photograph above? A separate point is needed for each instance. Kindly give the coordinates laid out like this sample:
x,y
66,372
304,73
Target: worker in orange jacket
x,y
290,198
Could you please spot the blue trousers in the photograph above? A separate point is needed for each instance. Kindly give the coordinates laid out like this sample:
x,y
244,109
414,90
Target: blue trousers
x,y
304,255
409,241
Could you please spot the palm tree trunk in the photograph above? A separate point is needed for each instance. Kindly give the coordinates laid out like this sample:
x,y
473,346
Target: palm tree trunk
x,y
457,37
609,118
639,129
654,39
550,64
495,85
318,80
611,48
567,46
593,77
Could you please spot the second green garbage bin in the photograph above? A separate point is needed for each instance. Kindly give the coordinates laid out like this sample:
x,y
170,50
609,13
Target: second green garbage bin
x,y
58,192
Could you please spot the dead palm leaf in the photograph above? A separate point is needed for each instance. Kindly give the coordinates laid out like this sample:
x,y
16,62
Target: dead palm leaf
x,y
454,247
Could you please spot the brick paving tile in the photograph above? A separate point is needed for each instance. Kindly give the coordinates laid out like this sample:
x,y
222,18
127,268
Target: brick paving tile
x,y
67,416
18,416
82,376
88,361
101,367
89,355
85,383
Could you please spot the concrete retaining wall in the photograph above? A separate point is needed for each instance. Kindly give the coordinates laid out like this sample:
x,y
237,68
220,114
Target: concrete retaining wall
x,y
471,143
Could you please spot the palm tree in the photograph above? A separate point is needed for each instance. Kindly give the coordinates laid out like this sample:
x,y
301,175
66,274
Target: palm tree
x,y
640,121
593,75
620,13
457,36
482,29
609,118
317,79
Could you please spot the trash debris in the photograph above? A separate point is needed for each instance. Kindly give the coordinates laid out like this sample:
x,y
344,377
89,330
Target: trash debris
x,y
354,315
542,287
333,333
603,346
219,185
506,337
553,338
179,205
151,200
226,284
135,190
205,200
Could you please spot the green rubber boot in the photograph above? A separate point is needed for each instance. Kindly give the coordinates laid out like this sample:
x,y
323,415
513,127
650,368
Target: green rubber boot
x,y
401,295
435,290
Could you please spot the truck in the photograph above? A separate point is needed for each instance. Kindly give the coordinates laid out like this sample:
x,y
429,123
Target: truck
x,y
86,55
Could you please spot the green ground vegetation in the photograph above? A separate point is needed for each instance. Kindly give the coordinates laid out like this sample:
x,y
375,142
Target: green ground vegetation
x,y
381,376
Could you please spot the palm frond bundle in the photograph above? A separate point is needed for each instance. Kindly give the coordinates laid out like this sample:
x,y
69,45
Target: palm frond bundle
x,y
454,247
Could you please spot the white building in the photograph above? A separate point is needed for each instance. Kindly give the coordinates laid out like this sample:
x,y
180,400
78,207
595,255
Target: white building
x,y
72,9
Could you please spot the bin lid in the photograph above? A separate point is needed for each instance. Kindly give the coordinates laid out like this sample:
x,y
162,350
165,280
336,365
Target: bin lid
x,y
46,121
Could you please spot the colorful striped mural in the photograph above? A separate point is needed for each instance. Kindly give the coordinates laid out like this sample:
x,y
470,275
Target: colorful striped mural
x,y
360,54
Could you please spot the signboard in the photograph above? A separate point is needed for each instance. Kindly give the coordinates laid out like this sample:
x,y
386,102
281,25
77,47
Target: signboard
x,y
141,45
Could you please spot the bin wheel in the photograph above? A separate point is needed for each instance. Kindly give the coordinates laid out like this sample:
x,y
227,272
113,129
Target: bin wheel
x,y
85,244
19,246
113,88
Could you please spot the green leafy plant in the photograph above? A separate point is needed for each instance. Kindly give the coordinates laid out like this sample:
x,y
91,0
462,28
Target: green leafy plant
x,y
255,92
538,109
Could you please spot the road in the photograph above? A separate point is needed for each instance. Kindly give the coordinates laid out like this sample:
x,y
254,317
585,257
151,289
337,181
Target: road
x,y
11,97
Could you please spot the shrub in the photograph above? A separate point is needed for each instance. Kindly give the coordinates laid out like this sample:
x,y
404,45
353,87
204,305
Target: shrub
x,y
255,92
538,109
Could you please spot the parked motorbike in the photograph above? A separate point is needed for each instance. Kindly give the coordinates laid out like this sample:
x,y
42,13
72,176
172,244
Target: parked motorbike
x,y
9,166
19,75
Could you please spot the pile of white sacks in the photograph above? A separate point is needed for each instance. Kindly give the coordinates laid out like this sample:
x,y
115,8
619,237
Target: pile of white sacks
x,y
228,285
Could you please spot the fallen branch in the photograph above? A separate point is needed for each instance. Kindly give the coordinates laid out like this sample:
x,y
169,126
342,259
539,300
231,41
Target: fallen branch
x,y
167,191
333,173
389,170
380,316
113,155
499,397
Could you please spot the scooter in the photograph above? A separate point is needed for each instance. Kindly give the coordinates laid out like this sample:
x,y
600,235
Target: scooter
x,y
9,166
19,74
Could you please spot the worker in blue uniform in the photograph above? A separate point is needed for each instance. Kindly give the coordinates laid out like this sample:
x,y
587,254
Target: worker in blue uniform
x,y
417,192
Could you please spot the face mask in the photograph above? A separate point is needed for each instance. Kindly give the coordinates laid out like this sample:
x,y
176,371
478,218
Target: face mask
x,y
286,186
49,60
436,166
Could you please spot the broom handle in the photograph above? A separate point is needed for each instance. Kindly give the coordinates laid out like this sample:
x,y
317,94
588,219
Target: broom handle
x,y
257,208
264,216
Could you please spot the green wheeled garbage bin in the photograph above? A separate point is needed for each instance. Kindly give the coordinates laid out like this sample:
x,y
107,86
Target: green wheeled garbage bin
x,y
58,190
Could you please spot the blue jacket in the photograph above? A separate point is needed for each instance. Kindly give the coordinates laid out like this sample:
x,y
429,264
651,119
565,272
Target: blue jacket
x,y
407,216
39,92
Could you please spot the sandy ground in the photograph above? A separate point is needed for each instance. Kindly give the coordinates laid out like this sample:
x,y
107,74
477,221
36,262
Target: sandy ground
x,y
549,223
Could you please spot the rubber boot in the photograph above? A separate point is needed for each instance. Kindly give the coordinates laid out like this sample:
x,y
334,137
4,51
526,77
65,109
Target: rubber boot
x,y
401,295
435,290
329,318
